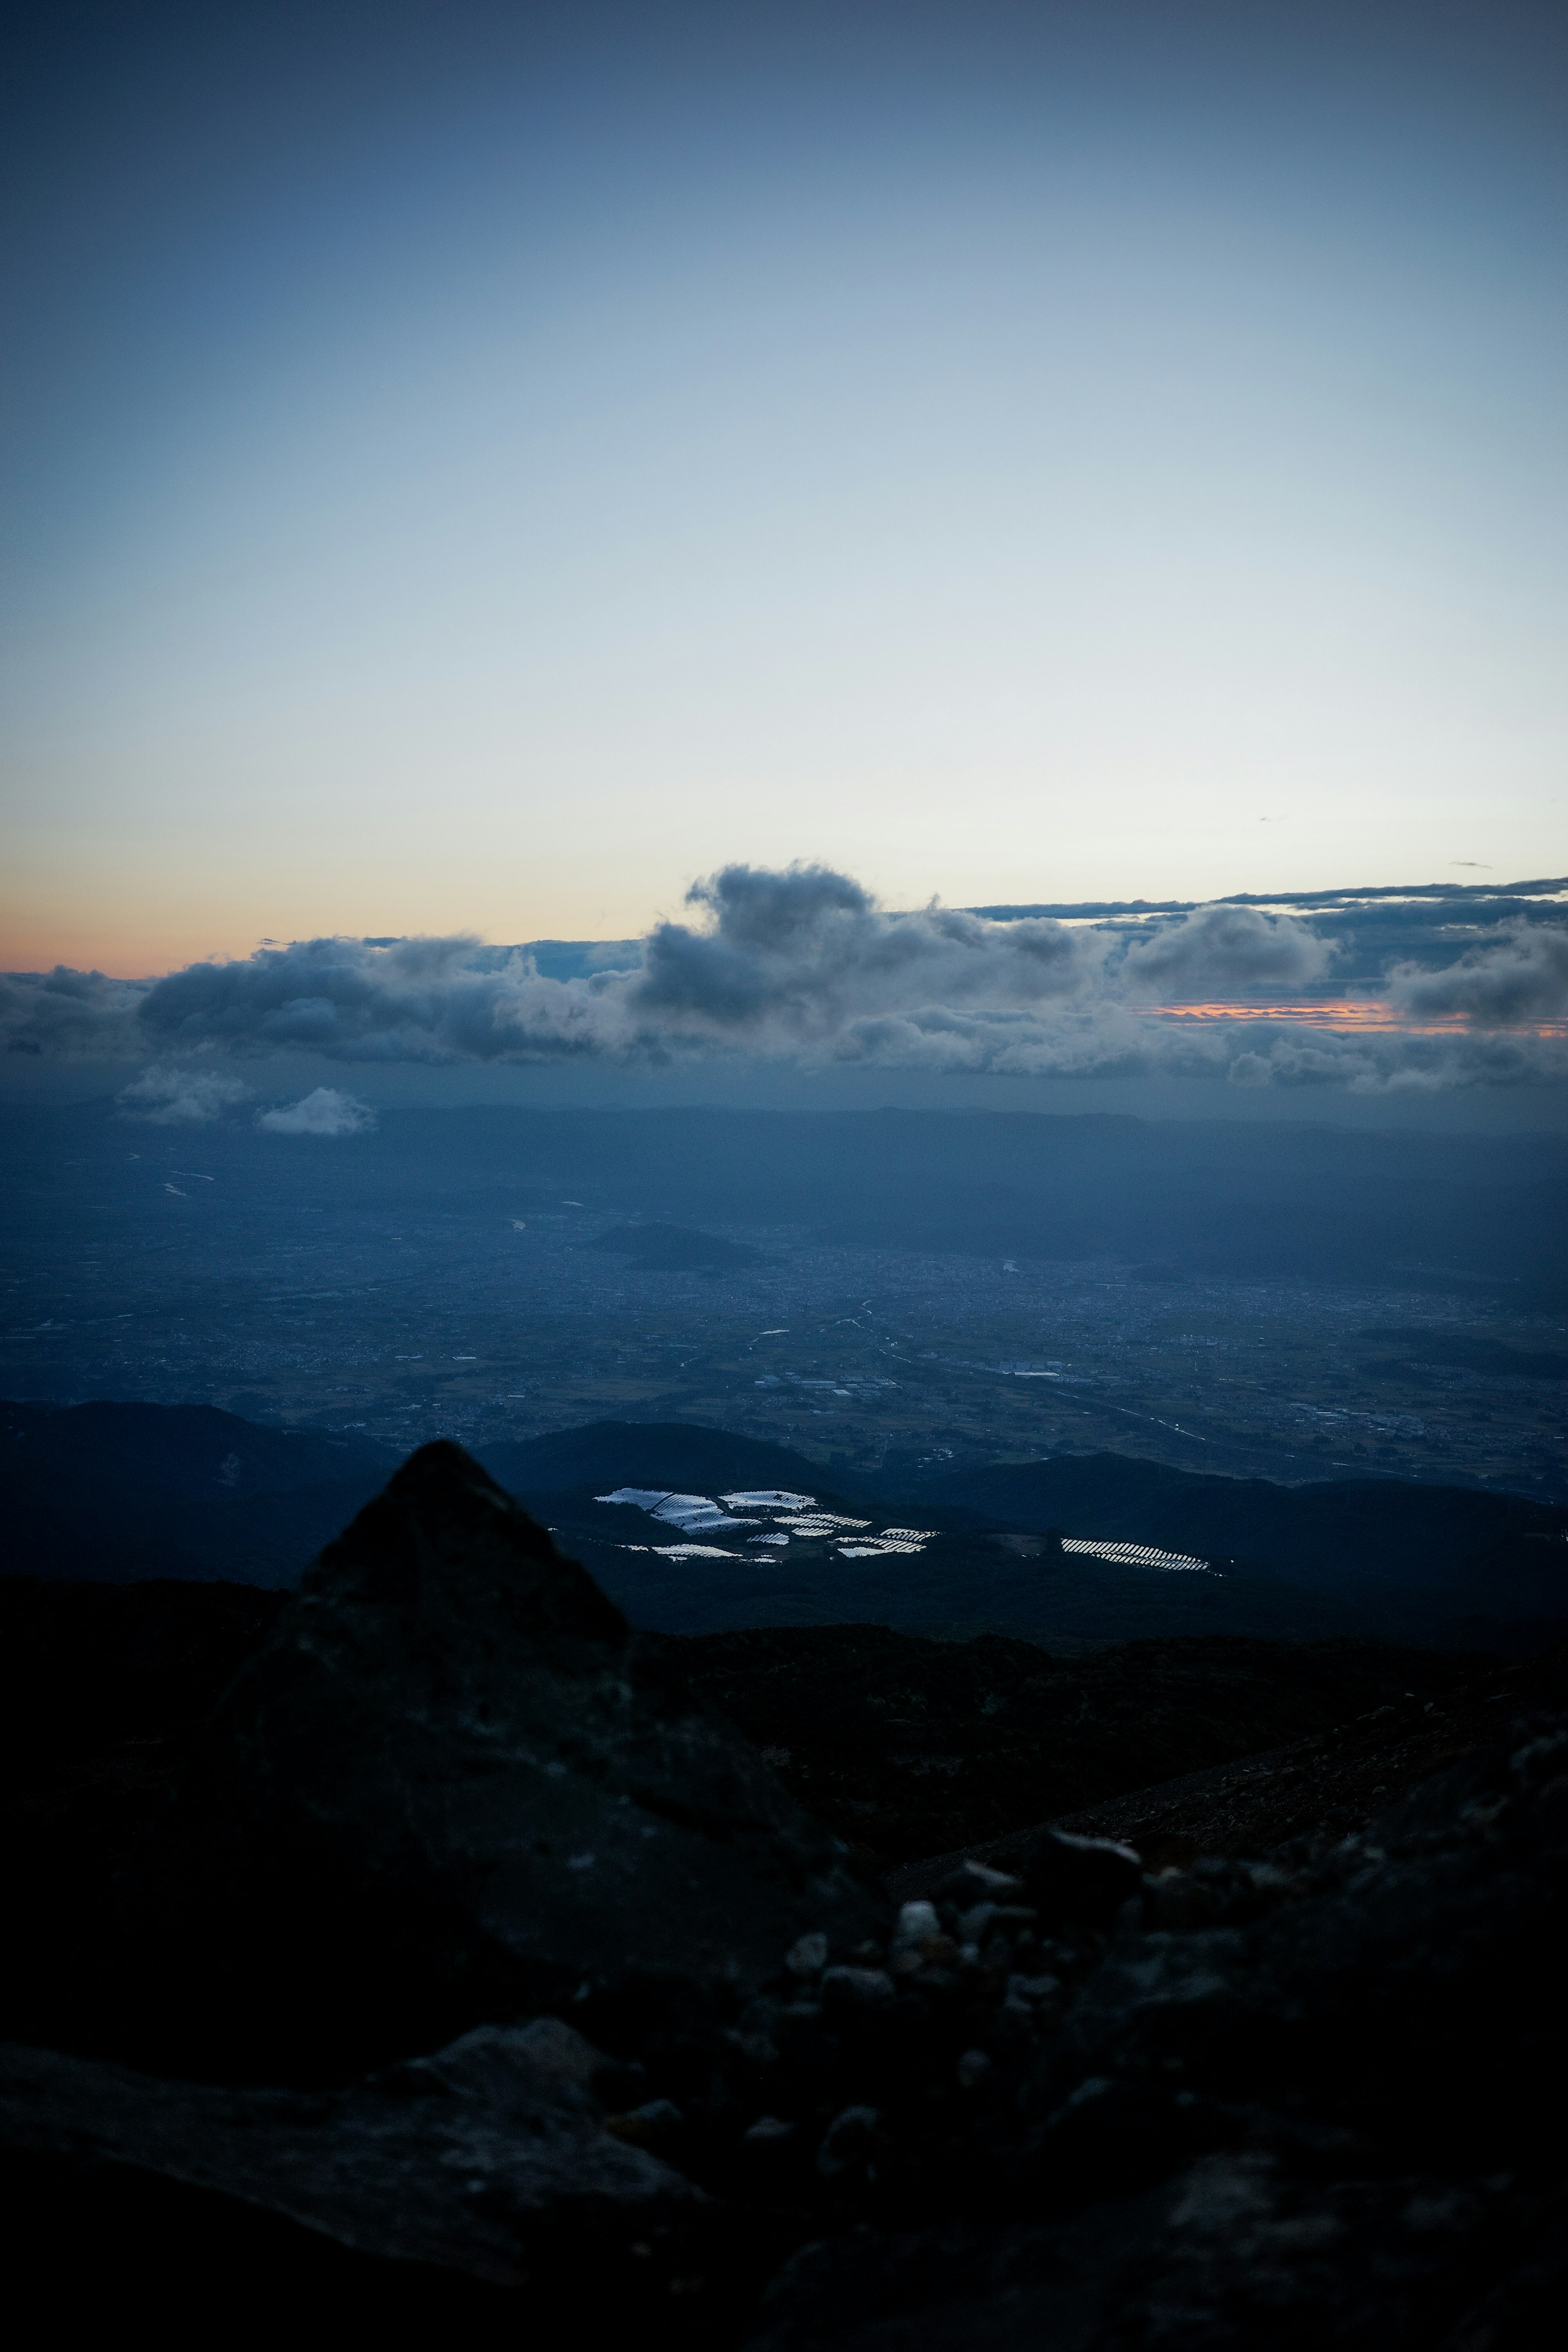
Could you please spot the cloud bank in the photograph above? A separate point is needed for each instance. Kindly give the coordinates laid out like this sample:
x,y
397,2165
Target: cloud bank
x,y
804,966
1520,974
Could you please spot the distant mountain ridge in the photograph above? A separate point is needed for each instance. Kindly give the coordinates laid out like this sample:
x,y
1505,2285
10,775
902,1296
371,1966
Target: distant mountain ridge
x,y
1332,1536
686,1454
118,1493
188,1447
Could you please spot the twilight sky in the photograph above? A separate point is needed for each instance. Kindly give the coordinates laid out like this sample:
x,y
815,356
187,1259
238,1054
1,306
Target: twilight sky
x,y
482,468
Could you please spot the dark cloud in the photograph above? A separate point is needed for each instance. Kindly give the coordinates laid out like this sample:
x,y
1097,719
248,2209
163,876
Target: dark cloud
x,y
1367,930
804,966
1520,974
795,958
65,1011
420,1000
1225,950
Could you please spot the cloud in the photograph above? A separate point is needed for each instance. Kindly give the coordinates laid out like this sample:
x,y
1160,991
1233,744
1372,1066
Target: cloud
x,y
790,960
1519,974
324,1112
64,1013
1391,1063
420,1000
802,965
1224,949
180,1098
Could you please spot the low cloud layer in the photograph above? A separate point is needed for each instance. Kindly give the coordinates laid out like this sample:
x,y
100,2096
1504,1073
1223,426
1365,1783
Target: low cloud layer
x,y
804,966
181,1097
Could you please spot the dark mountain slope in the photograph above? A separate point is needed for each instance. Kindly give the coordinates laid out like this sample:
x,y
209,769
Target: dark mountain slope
x,y
187,1449
962,1584
1342,1537
119,1492
86,1667
904,1746
1329,1784
684,1456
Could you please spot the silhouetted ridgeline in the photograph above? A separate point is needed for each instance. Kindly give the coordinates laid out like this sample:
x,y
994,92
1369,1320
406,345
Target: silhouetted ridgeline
x,y
112,1492
1351,1538
422,1947
121,1491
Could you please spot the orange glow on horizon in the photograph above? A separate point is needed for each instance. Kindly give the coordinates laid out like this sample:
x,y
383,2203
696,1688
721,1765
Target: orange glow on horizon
x,y
1354,1014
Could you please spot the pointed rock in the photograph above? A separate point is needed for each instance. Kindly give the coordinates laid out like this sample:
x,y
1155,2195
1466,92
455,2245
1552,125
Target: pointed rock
x,y
446,1790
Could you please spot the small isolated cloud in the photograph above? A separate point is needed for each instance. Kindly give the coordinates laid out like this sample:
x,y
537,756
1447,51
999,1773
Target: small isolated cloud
x,y
325,1112
180,1098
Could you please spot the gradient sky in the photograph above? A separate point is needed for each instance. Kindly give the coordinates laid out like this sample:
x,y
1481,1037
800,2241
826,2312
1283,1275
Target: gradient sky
x,y
481,467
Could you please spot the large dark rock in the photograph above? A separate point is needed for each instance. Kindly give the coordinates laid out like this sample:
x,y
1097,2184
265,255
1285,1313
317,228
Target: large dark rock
x,y
488,2158
446,1790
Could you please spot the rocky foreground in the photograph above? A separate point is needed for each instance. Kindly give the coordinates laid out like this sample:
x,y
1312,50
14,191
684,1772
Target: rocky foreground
x,y
471,1976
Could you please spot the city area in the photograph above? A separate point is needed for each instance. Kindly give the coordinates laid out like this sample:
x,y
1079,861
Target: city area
x,y
351,1287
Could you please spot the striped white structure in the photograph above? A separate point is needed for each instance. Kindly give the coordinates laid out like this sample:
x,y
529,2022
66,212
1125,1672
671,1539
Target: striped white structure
x,y
822,1523
1132,1554
690,1552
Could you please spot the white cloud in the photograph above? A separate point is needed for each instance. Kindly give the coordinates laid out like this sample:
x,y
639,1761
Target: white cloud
x,y
324,1112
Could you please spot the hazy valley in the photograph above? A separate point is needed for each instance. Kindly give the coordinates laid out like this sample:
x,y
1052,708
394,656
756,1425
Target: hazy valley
x,y
1289,1304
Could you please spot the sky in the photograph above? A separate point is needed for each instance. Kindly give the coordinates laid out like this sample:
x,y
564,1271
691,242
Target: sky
x,y
476,473
744,483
